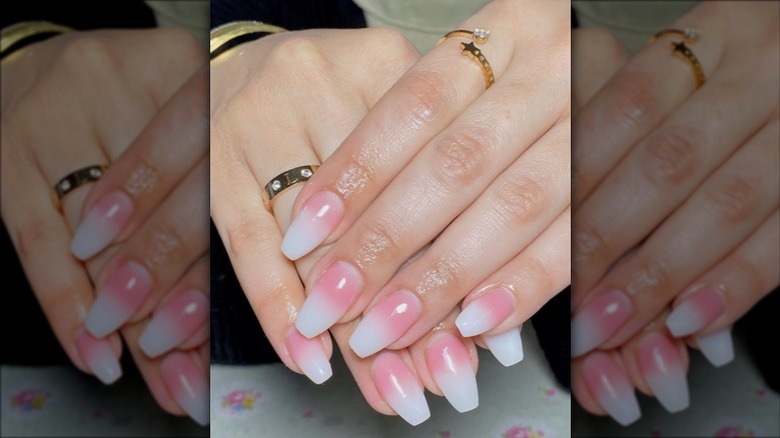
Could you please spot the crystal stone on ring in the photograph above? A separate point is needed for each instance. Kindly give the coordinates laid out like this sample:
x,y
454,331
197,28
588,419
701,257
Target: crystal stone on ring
x,y
95,172
306,173
481,34
276,185
65,185
691,33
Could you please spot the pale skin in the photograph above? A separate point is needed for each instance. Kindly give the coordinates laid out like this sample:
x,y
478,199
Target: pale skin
x,y
741,262
426,107
109,97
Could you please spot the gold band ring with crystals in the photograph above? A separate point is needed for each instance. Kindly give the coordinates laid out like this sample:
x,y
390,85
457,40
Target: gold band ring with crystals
x,y
285,180
76,179
479,36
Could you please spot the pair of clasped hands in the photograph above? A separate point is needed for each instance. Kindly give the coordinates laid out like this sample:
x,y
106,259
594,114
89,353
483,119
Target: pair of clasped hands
x,y
439,218
126,255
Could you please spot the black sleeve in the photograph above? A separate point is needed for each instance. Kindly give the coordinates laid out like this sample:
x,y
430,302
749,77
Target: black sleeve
x,y
290,14
83,16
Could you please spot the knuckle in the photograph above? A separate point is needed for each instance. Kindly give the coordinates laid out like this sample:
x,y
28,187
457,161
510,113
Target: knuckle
x,y
164,242
243,239
355,177
86,53
33,237
539,274
635,98
395,44
519,201
672,156
654,274
588,242
444,276
144,177
423,98
294,51
184,43
461,158
379,242
732,198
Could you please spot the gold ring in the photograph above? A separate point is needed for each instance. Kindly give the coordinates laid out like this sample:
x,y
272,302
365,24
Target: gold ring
x,y
469,49
679,48
287,179
76,179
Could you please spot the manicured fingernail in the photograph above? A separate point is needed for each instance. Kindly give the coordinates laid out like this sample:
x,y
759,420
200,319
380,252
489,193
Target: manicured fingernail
x,y
718,347
385,322
611,388
116,302
104,221
400,388
174,323
662,367
188,385
599,319
695,312
320,215
485,312
330,298
450,365
309,355
99,357
506,347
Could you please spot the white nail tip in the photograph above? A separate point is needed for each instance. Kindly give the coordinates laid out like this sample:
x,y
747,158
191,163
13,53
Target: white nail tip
x,y
461,391
413,408
506,347
718,347
318,371
624,410
316,316
671,389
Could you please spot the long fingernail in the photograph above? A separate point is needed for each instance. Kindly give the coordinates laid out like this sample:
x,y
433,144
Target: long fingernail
x,y
506,347
485,312
400,388
385,322
309,355
599,319
695,312
662,367
332,295
450,365
123,294
99,357
104,221
611,388
718,347
320,215
174,323
188,385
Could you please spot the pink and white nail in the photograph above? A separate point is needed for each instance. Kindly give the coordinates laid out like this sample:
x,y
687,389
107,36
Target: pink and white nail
x,y
599,319
485,312
176,321
717,347
188,385
123,295
507,347
400,388
611,388
320,215
662,367
332,296
309,355
99,356
696,312
385,323
450,365
104,221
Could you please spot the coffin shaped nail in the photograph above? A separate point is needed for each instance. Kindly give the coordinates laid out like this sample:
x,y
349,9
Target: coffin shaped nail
x,y
319,216
188,385
117,301
384,323
695,312
400,388
485,312
662,367
450,366
611,388
599,319
174,322
331,297
104,221
99,356
309,355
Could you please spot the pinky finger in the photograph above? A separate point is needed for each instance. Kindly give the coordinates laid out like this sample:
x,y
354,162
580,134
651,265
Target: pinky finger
x,y
708,308
506,299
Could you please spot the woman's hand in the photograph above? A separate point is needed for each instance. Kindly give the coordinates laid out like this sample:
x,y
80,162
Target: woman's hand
x,y
683,178
487,171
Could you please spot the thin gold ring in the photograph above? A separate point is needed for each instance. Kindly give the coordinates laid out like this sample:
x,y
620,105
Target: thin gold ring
x,y
479,36
680,48
285,180
76,179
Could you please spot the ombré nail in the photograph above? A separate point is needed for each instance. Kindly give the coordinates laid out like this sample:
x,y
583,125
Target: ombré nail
x,y
309,355
384,323
123,294
485,312
599,319
662,367
99,356
174,322
188,385
450,366
331,297
695,312
717,347
104,221
400,388
507,347
319,216
611,388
